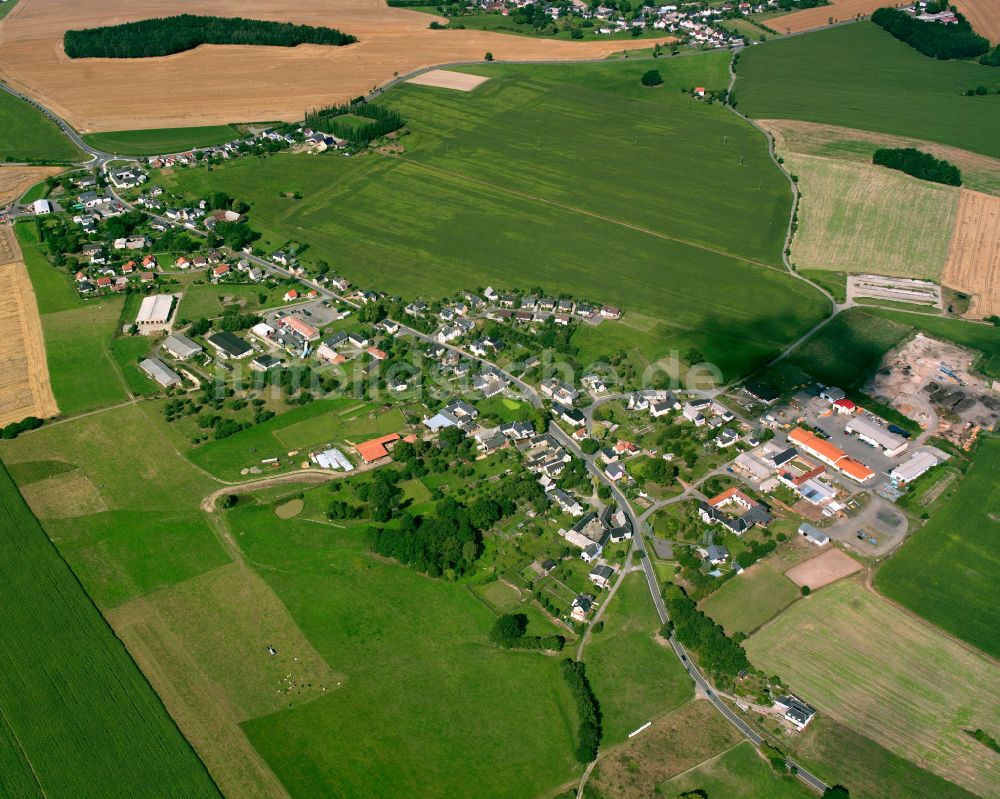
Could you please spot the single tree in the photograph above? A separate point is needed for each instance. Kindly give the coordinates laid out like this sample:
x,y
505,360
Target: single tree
x,y
651,78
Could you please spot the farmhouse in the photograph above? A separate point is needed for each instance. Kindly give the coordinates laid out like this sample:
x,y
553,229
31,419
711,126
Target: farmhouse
x,y
876,435
601,575
229,346
794,710
754,512
154,313
376,448
581,607
159,372
180,346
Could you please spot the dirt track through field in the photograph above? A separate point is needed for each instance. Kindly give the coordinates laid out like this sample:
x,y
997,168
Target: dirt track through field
x,y
16,180
973,264
24,374
984,16
810,18
221,84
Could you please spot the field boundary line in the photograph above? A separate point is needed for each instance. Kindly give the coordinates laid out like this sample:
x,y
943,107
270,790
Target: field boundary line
x,y
869,584
584,212
20,748
709,759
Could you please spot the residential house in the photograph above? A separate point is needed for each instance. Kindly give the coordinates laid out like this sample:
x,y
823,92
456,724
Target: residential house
x,y
601,575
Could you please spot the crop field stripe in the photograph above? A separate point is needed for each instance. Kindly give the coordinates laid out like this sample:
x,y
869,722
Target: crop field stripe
x,y
62,661
458,177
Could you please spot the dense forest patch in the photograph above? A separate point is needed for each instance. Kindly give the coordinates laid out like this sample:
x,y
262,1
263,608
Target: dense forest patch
x,y
167,35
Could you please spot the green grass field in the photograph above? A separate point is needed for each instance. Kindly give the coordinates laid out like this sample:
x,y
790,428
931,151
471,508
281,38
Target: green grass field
x,y
635,678
492,178
864,218
847,350
160,141
889,676
739,773
126,514
77,718
207,301
53,291
26,135
428,707
947,571
750,599
320,422
859,76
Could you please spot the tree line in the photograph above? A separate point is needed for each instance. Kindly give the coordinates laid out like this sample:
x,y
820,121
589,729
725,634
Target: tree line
x,y
357,121
587,707
167,35
717,652
938,41
510,633
918,164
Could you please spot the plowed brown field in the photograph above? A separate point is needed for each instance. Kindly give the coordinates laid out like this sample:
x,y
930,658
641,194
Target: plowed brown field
x,y
24,374
973,264
219,84
983,16
16,180
820,16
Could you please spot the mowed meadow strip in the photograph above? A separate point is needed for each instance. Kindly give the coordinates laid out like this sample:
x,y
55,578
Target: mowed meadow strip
x,y
840,650
864,218
77,718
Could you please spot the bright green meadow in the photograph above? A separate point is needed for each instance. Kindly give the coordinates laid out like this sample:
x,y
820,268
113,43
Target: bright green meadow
x,y
859,76
161,141
493,182
26,135
77,717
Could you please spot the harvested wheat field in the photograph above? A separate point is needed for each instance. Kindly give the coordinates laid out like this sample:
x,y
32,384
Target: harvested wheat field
x,y
823,570
973,264
219,84
819,17
24,374
983,16
888,675
16,180
446,79
863,218
979,172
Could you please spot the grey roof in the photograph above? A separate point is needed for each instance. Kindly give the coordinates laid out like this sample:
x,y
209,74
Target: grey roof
x,y
602,571
159,372
181,346
717,552
230,343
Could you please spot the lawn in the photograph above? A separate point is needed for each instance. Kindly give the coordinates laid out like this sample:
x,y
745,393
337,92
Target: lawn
x,y
490,179
748,600
429,706
864,218
635,679
53,291
207,301
948,570
127,352
888,675
739,773
78,717
859,76
321,422
126,515
29,136
160,141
